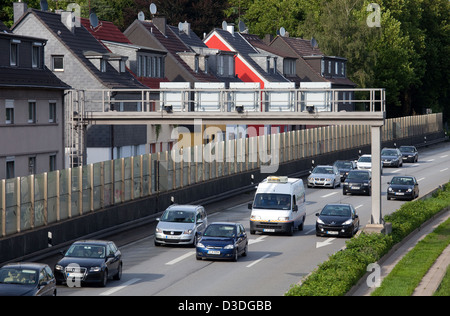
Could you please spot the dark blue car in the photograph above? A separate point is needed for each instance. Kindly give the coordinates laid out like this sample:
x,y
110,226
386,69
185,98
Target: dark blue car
x,y
222,241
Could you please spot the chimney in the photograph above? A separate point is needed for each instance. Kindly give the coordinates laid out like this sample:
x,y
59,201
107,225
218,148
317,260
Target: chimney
x,y
19,10
68,19
230,28
160,23
187,28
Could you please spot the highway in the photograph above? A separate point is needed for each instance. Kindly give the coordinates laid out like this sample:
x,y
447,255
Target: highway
x,y
274,262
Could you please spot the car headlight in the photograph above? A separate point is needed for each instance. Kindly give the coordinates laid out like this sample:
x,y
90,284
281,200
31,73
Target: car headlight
x,y
255,218
200,245
347,222
59,267
283,218
159,230
409,190
390,189
188,231
319,221
95,269
230,246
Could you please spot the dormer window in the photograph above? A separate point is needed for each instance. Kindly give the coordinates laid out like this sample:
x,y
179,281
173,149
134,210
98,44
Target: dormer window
x,y
14,53
36,55
102,65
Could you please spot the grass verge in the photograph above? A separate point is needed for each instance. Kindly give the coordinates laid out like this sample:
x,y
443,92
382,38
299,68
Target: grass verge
x,y
407,274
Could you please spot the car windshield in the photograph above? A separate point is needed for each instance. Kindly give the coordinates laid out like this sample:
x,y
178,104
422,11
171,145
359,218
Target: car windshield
x,y
272,201
365,159
407,149
86,251
220,231
388,152
18,276
358,175
323,170
178,216
336,210
402,181
343,164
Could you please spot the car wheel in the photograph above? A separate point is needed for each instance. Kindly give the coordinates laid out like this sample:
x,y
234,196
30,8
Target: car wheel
x,y
105,278
118,275
244,254
235,256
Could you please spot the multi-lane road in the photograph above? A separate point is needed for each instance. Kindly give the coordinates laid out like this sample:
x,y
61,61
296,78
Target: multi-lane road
x,y
274,262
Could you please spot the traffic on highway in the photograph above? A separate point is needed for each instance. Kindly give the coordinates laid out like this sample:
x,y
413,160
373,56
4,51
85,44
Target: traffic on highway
x,y
270,238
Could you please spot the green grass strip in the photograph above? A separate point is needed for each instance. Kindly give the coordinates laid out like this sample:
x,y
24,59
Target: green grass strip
x,y
444,287
407,274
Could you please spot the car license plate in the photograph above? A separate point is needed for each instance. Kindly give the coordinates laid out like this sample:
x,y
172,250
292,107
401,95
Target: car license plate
x,y
356,188
213,252
399,193
75,275
172,237
269,230
332,232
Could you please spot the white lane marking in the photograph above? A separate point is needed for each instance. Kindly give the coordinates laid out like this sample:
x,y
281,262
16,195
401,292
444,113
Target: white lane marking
x,y
180,258
442,170
395,171
430,160
121,287
259,239
416,165
445,156
327,242
420,179
361,205
257,261
329,194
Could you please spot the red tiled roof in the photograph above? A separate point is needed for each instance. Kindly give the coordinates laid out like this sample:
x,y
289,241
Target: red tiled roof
x,y
106,31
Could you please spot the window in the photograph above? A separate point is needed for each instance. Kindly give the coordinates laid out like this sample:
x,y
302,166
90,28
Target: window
x,y
31,111
343,70
31,165
103,65
9,112
336,68
10,168
52,163
36,56
322,67
58,63
14,53
52,112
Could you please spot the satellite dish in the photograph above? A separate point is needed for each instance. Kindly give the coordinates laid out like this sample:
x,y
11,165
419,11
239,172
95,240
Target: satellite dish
x,y
141,16
93,19
153,8
314,43
44,5
282,31
242,26
224,25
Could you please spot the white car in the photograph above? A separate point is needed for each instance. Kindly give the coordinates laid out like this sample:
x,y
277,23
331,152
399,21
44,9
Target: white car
x,y
365,163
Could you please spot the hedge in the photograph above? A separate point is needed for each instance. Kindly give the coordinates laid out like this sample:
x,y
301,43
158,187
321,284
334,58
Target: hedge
x,y
337,275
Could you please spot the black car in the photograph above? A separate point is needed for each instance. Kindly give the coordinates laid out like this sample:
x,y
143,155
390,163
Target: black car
x,y
344,167
403,187
337,220
391,157
89,261
222,241
27,279
409,153
358,181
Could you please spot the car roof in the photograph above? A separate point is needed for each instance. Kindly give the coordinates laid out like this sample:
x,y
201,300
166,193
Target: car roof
x,y
338,204
184,207
93,242
26,265
224,223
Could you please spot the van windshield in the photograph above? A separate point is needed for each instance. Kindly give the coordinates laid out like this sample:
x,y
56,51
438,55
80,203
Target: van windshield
x,y
272,201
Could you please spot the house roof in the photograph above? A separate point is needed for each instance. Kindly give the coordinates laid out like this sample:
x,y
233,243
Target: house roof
x,y
174,45
239,44
80,42
12,77
4,28
106,31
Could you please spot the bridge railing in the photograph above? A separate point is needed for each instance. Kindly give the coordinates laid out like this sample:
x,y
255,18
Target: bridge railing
x,y
38,200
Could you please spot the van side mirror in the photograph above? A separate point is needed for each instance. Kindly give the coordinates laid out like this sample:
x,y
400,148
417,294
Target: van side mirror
x,y
250,206
295,209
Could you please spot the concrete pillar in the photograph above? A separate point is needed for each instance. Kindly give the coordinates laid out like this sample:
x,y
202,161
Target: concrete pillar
x,y
376,175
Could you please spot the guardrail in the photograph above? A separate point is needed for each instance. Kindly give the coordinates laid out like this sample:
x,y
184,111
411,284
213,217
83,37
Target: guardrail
x,y
39,200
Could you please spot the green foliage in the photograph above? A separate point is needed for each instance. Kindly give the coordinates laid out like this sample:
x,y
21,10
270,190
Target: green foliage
x,y
337,275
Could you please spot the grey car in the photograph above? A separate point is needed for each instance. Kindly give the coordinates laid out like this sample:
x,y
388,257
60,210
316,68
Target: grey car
x,y
180,224
324,176
391,157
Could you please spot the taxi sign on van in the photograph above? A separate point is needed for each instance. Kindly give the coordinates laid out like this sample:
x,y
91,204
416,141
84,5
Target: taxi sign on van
x,y
277,179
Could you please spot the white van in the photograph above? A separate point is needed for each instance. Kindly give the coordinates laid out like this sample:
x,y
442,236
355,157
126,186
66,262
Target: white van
x,y
279,206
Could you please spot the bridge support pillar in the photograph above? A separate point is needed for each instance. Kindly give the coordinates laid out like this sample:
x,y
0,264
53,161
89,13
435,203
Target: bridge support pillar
x,y
377,216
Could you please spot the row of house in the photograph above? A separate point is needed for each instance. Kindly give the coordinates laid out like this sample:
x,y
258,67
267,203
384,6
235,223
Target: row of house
x,y
50,52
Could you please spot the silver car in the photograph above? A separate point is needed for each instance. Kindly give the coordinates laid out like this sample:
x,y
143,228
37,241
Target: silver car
x,y
324,176
180,224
